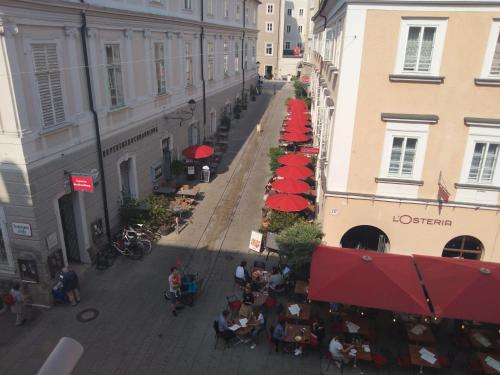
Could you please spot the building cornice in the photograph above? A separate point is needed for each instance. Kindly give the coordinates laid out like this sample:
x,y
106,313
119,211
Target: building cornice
x,y
482,122
410,118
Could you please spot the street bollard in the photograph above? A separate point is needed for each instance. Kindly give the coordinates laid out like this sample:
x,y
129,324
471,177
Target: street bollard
x,y
63,358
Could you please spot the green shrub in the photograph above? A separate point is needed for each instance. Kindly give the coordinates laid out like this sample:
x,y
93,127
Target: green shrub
x,y
177,167
300,90
274,154
278,221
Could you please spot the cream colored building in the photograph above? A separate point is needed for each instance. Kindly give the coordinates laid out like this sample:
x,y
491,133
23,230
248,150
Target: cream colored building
x,y
147,60
406,109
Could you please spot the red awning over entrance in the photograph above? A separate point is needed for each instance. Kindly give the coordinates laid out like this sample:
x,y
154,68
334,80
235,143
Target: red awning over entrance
x,y
366,278
462,288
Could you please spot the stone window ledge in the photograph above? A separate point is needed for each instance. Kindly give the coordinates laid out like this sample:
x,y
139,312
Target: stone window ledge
x,y
390,180
416,78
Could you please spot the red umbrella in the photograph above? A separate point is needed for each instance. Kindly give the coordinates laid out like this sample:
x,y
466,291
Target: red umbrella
x,y
288,185
287,202
297,129
198,152
297,173
294,159
462,288
295,137
347,276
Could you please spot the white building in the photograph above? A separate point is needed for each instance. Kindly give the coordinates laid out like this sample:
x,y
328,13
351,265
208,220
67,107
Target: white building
x,y
146,60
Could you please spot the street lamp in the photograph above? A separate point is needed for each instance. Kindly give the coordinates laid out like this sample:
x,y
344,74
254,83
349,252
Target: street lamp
x,y
182,114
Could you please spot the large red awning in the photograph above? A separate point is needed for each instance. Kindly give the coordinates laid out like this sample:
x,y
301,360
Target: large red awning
x,y
461,288
366,278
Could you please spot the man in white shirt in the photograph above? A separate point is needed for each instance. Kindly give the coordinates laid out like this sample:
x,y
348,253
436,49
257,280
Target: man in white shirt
x,y
241,272
338,351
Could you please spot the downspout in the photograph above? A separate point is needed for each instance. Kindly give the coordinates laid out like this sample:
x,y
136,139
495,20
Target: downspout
x,y
278,46
243,50
83,33
324,28
202,37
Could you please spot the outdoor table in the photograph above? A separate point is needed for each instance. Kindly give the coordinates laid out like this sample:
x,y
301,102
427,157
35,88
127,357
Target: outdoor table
x,y
478,335
188,192
426,337
361,354
243,331
361,322
294,331
416,360
486,367
259,298
301,287
304,313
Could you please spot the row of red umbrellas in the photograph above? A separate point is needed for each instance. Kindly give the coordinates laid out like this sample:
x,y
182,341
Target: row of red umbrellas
x,y
296,126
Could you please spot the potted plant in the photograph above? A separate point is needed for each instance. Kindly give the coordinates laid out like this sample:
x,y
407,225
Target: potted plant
x,y
244,101
237,109
253,93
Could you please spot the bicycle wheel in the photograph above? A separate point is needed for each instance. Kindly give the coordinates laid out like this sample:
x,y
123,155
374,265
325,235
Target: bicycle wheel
x,y
136,250
147,247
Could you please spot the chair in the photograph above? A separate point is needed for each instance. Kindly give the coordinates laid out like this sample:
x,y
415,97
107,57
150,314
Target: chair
x,y
338,363
403,361
443,361
380,361
218,335
270,303
273,344
239,283
233,303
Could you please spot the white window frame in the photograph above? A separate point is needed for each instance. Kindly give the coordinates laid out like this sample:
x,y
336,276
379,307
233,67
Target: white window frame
x,y
272,8
289,45
289,11
299,29
188,5
405,130
120,103
269,27
210,60
188,60
266,47
238,11
225,47
210,7
288,28
236,57
437,51
7,267
490,50
301,12
226,9
161,85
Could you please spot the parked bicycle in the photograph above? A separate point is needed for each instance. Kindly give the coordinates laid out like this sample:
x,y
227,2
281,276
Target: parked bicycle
x,y
125,243
142,237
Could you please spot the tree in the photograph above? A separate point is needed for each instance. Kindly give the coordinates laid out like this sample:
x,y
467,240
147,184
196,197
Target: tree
x,y
279,221
297,243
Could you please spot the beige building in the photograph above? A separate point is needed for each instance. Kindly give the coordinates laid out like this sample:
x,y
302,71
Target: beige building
x,y
406,109
121,122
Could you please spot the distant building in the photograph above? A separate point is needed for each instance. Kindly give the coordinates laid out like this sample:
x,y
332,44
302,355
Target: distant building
x,y
405,106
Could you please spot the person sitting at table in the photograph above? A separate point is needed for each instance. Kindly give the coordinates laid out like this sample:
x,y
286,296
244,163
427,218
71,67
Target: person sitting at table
x,y
276,281
241,273
247,302
260,326
223,326
318,329
278,334
338,352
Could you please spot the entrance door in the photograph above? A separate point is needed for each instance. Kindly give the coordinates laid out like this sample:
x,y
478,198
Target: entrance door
x,y
125,178
69,227
167,159
269,72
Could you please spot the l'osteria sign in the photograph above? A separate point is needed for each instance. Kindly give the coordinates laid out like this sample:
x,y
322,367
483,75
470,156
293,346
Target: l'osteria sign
x,y
408,219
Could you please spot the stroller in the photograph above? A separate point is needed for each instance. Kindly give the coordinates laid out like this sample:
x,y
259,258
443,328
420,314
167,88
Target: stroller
x,y
189,287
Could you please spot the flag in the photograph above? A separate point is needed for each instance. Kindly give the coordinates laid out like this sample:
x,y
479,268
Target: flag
x,y
443,193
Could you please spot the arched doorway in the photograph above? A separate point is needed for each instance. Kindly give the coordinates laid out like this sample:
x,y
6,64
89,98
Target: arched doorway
x,y
466,247
365,237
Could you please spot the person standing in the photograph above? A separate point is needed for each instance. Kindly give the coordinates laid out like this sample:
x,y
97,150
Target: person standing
x,y
279,334
71,286
174,287
18,306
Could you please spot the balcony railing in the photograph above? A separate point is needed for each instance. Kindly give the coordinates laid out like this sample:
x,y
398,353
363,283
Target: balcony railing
x,y
291,53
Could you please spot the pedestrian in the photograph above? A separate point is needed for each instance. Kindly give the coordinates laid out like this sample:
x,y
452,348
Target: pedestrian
x,y
174,288
18,304
258,128
70,285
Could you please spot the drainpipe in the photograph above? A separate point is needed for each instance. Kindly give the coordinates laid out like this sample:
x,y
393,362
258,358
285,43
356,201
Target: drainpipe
x,y
278,46
243,50
202,36
83,33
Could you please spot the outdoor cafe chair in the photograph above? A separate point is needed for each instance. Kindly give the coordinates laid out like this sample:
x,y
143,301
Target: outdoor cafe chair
x,y
218,335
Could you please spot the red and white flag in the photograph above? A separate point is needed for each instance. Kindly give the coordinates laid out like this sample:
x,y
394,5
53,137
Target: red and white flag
x,y
443,193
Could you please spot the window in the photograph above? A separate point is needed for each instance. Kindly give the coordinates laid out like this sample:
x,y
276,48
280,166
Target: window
x,y
301,12
210,7
187,4
491,63
236,57
269,49
465,247
115,82
287,45
269,27
245,62
237,11
188,57
247,12
421,46
288,28
211,55
495,63
226,58
299,44
328,45
484,160
299,29
48,78
402,157
289,12
254,53
161,84
226,8
5,251
270,9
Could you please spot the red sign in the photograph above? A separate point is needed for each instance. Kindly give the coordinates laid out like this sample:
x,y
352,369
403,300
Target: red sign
x,y
296,51
82,183
309,150
305,79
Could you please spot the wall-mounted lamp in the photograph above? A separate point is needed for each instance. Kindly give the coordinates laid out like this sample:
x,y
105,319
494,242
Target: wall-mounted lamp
x,y
183,115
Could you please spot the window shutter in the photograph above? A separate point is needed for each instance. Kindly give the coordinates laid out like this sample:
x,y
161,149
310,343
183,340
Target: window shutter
x,y
412,45
490,163
409,157
397,149
495,65
477,157
425,60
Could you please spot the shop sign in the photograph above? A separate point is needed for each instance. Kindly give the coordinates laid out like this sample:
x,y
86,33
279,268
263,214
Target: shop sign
x,y
21,229
296,51
82,183
408,219
309,150
255,241
28,270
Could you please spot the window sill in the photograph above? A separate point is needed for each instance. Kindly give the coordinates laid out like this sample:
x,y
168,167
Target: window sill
x,y
56,128
487,81
473,186
394,180
165,94
416,78
117,109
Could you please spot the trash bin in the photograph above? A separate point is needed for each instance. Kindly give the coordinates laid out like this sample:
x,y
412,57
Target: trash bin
x,y
205,173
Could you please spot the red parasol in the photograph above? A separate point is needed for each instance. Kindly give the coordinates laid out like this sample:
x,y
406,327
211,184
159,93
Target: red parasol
x,y
289,171
198,152
295,137
288,185
297,129
294,159
287,202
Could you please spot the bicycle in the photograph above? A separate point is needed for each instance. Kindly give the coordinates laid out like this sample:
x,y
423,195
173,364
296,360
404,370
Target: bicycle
x,y
105,257
146,231
141,237
128,246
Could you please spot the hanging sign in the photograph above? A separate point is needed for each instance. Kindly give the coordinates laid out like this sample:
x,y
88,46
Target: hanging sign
x,y
255,241
21,229
82,183
296,51
309,150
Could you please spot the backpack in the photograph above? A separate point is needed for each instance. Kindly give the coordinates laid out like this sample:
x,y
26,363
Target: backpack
x,y
8,299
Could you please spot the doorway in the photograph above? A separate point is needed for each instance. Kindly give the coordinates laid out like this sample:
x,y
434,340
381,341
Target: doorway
x,y
127,177
68,223
167,158
268,71
365,237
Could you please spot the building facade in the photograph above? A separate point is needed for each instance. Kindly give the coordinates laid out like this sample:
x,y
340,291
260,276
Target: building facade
x,y
408,126
146,60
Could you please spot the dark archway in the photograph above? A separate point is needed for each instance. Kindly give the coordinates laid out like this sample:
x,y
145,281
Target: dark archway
x,y
365,237
466,247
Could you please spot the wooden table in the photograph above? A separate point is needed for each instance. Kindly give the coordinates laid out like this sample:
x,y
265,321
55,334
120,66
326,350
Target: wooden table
x,y
416,360
486,367
492,336
301,287
294,330
361,355
243,331
362,322
304,314
427,337
259,298
188,192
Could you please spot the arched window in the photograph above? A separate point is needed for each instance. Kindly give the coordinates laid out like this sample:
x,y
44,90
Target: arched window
x,y
466,247
365,237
